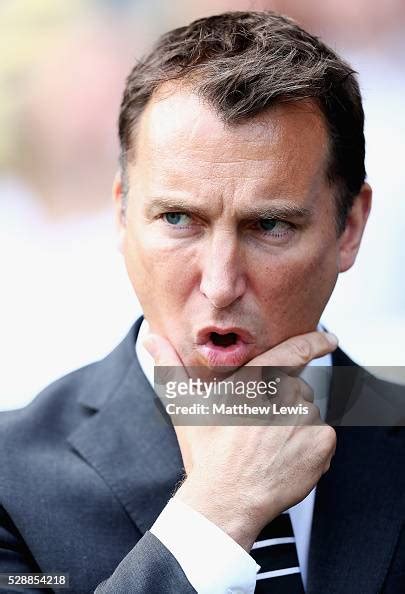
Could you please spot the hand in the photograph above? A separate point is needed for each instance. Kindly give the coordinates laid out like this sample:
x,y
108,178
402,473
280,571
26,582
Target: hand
x,y
241,477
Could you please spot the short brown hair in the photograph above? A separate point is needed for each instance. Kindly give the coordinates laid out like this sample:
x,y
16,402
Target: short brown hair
x,y
243,63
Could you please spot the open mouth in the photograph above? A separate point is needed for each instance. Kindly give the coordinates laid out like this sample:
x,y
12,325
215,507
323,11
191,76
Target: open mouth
x,y
223,337
228,347
223,340
224,347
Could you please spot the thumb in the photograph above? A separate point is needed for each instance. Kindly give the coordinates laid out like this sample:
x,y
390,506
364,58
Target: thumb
x,y
162,351
168,366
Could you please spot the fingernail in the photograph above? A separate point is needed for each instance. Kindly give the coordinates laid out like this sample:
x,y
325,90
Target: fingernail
x,y
332,339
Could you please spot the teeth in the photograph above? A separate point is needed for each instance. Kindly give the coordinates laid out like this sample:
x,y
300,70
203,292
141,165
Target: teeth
x,y
223,340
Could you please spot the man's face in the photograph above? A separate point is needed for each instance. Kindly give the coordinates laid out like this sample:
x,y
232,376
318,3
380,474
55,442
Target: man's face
x,y
229,238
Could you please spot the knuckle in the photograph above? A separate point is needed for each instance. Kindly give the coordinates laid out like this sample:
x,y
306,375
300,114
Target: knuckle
x,y
329,437
302,350
290,390
294,386
306,391
326,466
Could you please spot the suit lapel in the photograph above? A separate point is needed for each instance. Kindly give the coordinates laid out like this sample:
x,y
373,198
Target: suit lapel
x,y
358,508
129,441
132,445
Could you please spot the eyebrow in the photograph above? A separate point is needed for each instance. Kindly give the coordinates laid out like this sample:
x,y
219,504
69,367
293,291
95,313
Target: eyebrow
x,y
157,205
268,211
279,211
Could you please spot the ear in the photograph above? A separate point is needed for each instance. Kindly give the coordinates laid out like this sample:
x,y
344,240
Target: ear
x,y
118,198
349,241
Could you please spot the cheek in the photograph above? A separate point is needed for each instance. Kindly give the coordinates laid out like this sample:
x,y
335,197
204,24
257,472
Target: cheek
x,y
294,291
160,273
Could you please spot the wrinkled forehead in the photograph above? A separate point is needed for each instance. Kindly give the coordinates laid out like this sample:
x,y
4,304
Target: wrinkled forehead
x,y
179,134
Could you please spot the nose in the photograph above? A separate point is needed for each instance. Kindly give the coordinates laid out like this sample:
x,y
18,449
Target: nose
x,y
223,279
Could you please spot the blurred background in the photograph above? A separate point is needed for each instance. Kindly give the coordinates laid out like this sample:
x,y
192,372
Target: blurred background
x,y
65,298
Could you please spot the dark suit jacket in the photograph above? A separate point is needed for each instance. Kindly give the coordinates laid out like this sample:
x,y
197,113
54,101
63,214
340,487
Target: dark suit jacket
x,y
87,467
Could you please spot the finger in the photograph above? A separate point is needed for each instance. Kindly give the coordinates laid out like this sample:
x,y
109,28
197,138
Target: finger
x,y
161,350
330,441
296,352
306,392
294,390
166,359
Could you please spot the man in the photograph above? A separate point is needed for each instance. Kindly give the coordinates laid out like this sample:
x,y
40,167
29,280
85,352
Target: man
x,y
241,197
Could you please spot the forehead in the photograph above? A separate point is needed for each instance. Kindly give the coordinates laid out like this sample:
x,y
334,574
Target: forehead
x,y
180,136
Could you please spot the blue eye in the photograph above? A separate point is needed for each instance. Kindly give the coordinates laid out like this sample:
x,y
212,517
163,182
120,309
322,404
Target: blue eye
x,y
268,224
274,228
176,218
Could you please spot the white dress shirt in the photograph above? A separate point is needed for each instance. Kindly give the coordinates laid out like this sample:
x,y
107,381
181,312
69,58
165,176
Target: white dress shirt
x,y
211,560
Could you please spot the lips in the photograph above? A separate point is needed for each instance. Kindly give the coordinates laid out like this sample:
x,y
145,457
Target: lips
x,y
204,335
225,347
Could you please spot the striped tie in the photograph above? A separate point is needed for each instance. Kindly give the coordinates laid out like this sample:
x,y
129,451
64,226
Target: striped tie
x,y
275,552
